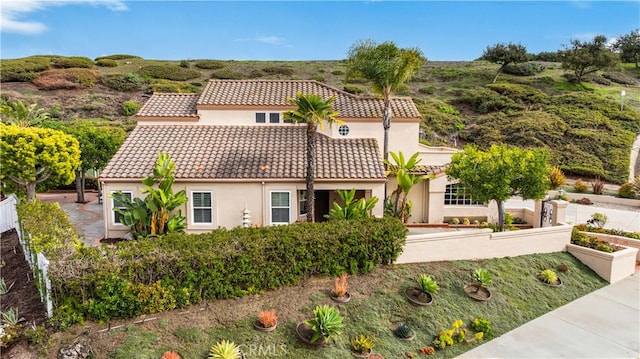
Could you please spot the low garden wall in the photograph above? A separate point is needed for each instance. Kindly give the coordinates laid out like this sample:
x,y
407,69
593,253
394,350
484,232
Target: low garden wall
x,y
612,267
619,240
600,198
483,243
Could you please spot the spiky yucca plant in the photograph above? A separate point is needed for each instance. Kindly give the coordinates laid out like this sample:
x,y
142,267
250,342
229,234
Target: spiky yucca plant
x,y
482,277
225,350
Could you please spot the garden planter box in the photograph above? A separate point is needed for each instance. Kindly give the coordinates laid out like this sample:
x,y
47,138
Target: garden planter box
x,y
610,266
619,240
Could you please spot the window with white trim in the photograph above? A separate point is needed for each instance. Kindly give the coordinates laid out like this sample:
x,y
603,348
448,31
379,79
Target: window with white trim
x,y
280,207
260,117
274,117
456,195
117,217
201,207
302,202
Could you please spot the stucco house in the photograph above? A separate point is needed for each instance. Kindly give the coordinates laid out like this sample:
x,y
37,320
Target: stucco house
x,y
234,153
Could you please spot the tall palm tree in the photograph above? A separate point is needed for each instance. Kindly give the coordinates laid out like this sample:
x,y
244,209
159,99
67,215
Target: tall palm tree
x,y
313,110
387,67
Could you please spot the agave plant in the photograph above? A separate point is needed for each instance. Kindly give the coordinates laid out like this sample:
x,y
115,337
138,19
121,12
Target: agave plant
x,y
225,350
482,277
326,323
403,331
11,317
428,284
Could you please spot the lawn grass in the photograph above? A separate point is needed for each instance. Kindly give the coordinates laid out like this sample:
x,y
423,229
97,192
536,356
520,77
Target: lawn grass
x,y
517,297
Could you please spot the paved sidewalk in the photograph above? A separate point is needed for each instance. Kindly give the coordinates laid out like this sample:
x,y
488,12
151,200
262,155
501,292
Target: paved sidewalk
x,y
602,324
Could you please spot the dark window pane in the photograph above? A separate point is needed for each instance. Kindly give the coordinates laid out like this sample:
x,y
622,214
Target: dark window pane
x,y
260,117
274,118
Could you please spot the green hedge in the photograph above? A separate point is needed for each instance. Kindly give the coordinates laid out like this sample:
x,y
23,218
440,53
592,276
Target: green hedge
x,y
118,57
73,62
107,63
209,64
168,72
23,70
158,274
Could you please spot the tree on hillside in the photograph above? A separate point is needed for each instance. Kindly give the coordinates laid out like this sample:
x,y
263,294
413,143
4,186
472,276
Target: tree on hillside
x,y
501,173
505,54
629,47
32,155
18,113
97,145
584,58
387,67
312,110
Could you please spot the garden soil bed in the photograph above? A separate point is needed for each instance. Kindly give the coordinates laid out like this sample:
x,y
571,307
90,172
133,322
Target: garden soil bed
x,y
23,294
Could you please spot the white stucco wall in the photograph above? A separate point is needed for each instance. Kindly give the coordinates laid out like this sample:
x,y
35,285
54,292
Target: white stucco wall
x,y
231,198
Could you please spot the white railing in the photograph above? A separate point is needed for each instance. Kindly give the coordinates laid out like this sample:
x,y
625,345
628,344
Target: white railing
x,y
37,261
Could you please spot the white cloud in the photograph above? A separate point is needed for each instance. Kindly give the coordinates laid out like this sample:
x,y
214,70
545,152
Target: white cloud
x,y
272,40
13,12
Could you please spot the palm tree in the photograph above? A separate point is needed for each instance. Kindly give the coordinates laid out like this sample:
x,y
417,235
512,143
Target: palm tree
x,y
387,67
18,113
312,110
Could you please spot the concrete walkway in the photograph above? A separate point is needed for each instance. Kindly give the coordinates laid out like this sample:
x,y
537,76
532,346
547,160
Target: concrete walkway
x,y
87,218
602,324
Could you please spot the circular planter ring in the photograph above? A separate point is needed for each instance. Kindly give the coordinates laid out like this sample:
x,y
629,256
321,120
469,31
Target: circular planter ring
x,y
361,355
344,299
477,292
557,284
412,337
418,297
305,333
260,328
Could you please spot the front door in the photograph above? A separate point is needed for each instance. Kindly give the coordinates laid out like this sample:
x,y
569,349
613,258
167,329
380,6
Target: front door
x,y
322,205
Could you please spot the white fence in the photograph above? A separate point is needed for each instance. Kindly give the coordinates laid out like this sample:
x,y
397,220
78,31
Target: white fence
x,y
37,261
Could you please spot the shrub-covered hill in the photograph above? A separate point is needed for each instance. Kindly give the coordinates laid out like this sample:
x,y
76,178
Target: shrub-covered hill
x,y
531,105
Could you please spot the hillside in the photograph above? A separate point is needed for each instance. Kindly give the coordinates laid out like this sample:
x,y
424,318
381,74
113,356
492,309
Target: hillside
x,y
582,125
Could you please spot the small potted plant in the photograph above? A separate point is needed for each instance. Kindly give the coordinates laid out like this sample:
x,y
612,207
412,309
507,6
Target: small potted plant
x,y
404,332
267,321
423,295
225,350
325,324
170,355
339,292
550,278
361,346
478,290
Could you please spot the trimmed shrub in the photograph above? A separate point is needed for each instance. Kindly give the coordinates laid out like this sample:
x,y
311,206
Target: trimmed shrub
x,y
118,57
209,64
126,82
579,186
66,79
620,78
107,63
168,72
227,75
626,191
166,86
130,108
524,69
279,70
49,229
23,70
224,263
356,90
72,62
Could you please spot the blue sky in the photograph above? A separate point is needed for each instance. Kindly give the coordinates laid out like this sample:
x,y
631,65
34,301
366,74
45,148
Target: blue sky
x,y
299,30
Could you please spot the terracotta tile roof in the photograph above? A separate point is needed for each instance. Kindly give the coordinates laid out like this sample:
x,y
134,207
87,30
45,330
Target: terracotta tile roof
x,y
431,169
276,92
170,105
242,152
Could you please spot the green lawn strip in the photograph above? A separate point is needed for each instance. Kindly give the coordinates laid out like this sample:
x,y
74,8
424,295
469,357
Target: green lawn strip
x,y
517,297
